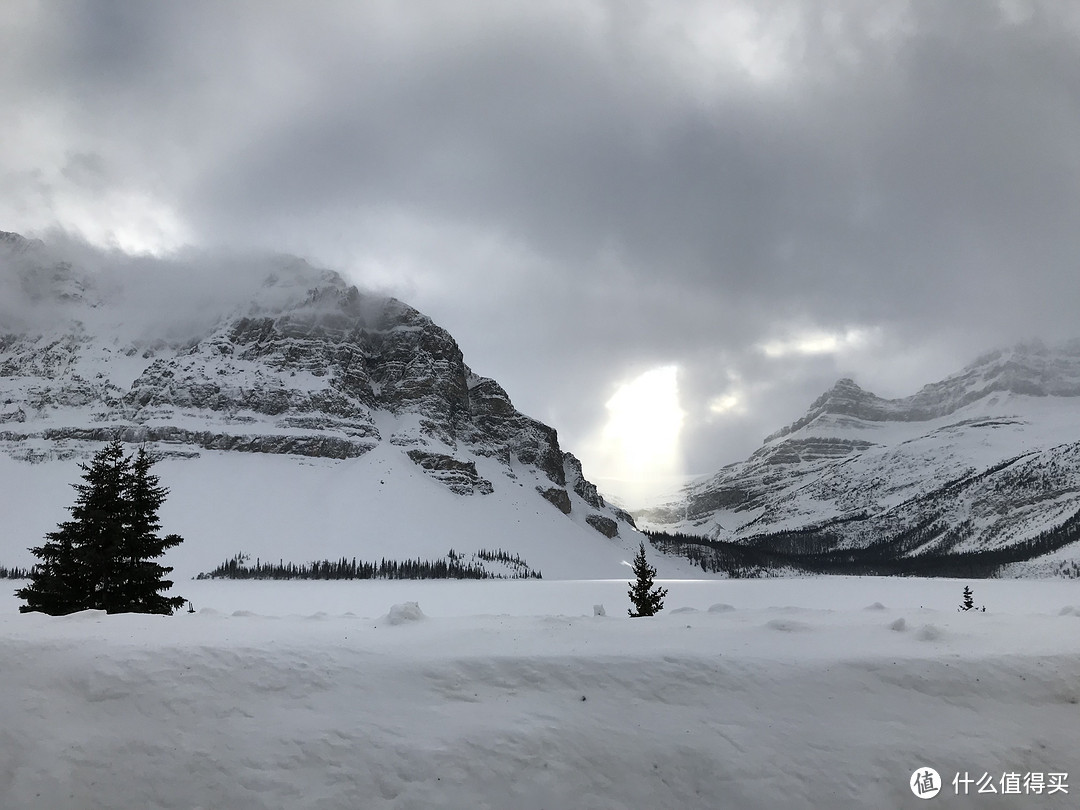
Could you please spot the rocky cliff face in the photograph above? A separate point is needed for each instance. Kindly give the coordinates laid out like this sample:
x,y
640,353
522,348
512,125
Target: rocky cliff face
x,y
988,458
304,365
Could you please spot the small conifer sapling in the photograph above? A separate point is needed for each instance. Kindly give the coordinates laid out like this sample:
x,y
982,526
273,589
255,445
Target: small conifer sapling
x,y
647,600
969,601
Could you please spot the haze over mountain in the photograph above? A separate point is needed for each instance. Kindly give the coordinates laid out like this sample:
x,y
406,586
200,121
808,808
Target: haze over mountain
x,y
731,204
302,419
299,418
987,459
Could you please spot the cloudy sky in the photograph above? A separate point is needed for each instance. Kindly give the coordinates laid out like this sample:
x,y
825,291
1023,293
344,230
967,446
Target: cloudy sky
x,y
665,227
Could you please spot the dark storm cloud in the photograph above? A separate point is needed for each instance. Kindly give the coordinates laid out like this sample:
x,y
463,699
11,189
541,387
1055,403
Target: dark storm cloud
x,y
582,191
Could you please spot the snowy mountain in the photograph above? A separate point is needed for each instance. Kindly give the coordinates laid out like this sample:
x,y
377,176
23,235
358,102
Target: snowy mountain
x,y
297,417
983,464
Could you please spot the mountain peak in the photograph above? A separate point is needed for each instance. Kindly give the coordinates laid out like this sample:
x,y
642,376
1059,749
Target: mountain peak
x,y
1031,368
845,398
208,359
1028,369
984,462
844,388
17,243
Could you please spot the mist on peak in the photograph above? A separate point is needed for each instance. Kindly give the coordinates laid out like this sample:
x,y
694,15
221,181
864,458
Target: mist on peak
x,y
46,286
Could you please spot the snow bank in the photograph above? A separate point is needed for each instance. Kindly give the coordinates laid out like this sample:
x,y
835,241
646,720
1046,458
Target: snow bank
x,y
405,612
783,701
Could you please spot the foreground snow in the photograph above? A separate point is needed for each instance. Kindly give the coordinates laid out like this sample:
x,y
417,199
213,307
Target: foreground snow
x,y
788,693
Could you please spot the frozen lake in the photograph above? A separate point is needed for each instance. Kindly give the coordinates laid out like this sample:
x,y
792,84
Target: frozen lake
x,y
577,597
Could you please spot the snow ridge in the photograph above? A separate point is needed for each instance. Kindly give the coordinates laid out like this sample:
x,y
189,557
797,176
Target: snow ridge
x,y
988,457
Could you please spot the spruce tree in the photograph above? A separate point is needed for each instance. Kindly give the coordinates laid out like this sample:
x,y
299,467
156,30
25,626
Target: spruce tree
x,y
54,586
647,600
139,578
969,599
103,558
75,571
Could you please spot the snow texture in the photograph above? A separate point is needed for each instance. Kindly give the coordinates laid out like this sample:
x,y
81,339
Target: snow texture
x,y
785,694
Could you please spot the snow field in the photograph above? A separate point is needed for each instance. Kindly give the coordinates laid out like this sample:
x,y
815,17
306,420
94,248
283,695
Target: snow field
x,y
280,507
788,693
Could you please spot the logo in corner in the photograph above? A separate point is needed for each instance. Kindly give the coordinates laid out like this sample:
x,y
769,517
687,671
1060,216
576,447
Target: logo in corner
x,y
925,783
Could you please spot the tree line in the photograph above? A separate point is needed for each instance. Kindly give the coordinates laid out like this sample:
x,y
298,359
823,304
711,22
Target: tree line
x,y
453,566
817,551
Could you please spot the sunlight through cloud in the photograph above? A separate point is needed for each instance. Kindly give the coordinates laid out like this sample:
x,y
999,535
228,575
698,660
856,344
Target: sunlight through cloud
x,y
819,342
727,403
637,450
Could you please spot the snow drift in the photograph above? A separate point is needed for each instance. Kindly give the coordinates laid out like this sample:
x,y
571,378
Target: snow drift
x,y
795,698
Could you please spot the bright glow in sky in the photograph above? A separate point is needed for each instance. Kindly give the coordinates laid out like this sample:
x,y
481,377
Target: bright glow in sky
x,y
818,342
638,447
727,403
132,222
785,191
135,224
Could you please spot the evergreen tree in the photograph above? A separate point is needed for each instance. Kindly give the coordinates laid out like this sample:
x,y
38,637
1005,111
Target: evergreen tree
x,y
54,586
969,599
647,600
103,558
139,580
75,569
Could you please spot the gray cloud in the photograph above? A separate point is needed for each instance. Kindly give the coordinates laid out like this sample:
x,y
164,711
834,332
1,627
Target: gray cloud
x,y
583,191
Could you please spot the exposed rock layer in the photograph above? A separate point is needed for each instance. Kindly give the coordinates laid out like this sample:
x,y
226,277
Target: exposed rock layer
x,y
305,365
988,458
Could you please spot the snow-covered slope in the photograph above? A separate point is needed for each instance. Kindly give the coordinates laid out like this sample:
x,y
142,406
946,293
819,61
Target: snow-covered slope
x,y
298,418
988,458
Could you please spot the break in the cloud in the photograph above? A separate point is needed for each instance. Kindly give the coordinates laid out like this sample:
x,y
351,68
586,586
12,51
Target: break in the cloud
x,y
763,196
